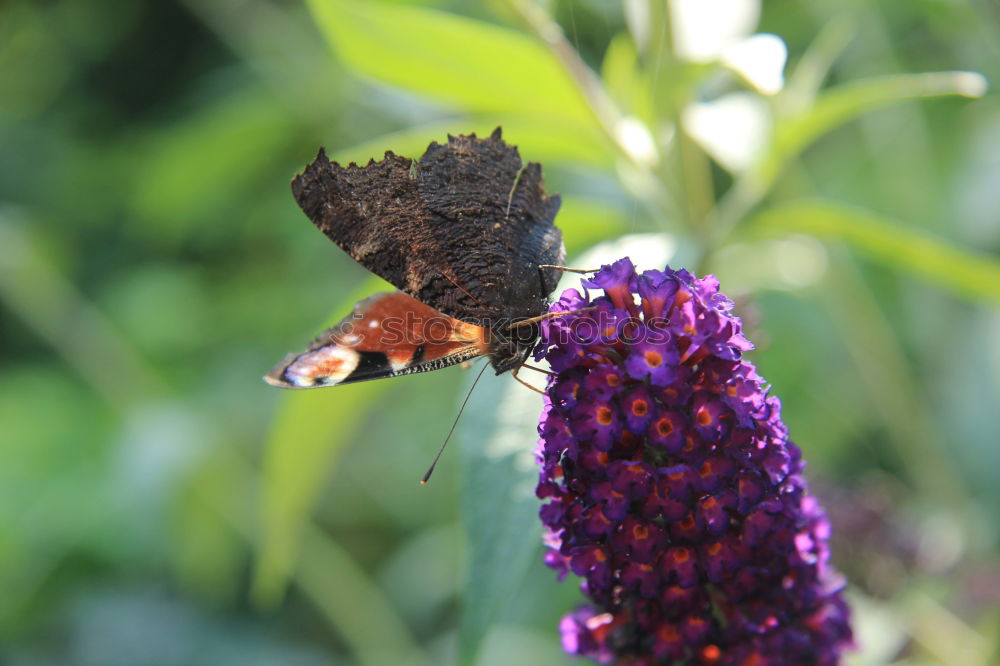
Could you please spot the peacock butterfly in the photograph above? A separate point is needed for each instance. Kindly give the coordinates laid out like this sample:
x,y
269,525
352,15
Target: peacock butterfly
x,y
463,233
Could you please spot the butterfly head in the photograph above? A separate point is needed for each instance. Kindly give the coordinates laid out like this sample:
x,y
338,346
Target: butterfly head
x,y
510,345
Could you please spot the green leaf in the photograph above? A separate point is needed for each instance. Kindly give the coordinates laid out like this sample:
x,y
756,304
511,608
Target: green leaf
x,y
354,604
625,82
805,80
970,274
233,141
497,435
846,102
456,60
585,222
308,433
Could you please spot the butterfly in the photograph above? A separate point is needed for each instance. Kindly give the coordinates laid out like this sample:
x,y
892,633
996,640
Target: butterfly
x,y
465,234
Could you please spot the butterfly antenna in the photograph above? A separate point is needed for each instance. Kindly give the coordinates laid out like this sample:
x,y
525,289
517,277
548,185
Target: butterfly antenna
x,y
430,470
549,315
567,269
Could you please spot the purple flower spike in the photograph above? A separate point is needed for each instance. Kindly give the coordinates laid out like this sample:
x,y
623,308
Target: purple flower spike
x,y
672,488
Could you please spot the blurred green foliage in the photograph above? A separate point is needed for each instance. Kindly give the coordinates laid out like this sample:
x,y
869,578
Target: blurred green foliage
x,y
161,505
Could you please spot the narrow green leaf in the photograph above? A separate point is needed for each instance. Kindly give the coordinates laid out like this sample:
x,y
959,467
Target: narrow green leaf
x,y
805,80
456,60
970,274
309,431
354,605
497,435
846,102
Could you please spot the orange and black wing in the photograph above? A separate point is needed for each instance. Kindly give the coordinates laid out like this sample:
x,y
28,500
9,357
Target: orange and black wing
x,y
386,335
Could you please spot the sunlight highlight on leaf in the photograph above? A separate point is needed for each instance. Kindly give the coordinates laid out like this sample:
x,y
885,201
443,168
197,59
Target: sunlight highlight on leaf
x,y
760,59
704,29
733,128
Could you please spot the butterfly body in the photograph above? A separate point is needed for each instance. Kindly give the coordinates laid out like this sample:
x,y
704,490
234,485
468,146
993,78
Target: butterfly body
x,y
462,233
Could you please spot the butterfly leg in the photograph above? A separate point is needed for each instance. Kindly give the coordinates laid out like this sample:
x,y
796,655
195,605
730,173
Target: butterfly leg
x,y
537,369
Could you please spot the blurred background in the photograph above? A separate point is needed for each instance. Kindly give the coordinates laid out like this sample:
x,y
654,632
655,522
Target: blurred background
x,y
836,163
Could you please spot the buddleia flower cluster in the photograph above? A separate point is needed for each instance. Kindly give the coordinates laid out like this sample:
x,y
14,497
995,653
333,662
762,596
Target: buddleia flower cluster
x,y
671,487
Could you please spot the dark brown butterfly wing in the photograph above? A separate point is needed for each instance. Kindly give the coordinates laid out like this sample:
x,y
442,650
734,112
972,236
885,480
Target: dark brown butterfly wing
x,y
464,229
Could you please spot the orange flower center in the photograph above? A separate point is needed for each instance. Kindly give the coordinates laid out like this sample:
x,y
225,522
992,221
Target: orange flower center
x,y
704,417
604,416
